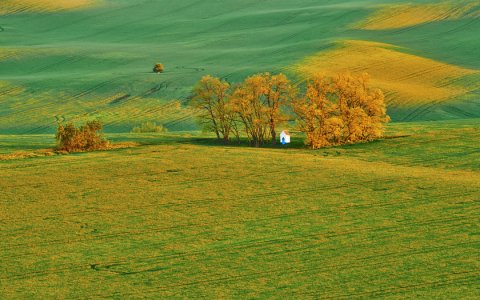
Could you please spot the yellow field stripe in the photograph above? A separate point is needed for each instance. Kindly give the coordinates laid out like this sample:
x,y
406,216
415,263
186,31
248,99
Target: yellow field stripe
x,y
406,79
406,15
15,6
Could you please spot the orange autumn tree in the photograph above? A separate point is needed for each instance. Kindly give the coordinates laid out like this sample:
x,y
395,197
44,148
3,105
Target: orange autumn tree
x,y
340,110
361,108
280,92
258,101
247,103
316,114
211,96
333,111
158,68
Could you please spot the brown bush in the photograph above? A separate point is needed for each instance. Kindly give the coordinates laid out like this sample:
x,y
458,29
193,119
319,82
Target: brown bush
x,y
158,68
85,138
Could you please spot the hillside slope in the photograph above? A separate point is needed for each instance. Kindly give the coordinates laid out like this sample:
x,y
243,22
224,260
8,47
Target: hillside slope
x,y
183,218
94,59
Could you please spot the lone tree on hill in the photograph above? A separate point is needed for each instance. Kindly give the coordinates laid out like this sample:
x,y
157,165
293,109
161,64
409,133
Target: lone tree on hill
x,y
158,68
258,102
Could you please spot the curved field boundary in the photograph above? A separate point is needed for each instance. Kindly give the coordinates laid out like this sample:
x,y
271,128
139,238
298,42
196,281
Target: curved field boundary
x,y
407,80
21,6
408,15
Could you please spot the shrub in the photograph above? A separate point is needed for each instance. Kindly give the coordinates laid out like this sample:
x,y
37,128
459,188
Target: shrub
x,y
85,138
158,68
149,127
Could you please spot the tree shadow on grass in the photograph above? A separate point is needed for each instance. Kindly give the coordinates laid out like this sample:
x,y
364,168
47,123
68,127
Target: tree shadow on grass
x,y
296,144
214,142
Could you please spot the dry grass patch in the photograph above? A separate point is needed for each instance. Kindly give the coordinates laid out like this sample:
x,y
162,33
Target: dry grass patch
x,y
18,6
123,145
24,154
52,152
406,79
7,53
406,15
8,90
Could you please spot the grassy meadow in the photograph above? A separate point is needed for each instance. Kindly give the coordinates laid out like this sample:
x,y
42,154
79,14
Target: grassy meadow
x,y
180,215
78,60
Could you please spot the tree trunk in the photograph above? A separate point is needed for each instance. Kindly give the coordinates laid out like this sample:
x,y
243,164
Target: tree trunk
x,y
215,127
226,139
274,135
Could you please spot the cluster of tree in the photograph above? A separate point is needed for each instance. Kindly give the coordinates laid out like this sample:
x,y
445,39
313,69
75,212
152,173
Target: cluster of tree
x,y
254,106
332,111
84,138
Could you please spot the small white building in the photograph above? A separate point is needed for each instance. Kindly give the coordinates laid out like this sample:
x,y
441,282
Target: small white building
x,y
285,137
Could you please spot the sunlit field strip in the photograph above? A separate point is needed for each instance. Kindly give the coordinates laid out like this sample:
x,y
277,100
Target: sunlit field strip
x,y
405,15
18,6
407,80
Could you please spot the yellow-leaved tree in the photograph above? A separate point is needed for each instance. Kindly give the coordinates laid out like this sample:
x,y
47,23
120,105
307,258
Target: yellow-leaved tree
x,y
361,108
340,110
258,101
211,96
280,92
315,114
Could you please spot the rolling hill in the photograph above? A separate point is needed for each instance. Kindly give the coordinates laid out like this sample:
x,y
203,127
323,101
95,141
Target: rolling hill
x,y
78,60
183,217
179,214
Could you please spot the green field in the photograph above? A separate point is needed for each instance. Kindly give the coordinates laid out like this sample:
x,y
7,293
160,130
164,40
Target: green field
x,y
180,215
96,62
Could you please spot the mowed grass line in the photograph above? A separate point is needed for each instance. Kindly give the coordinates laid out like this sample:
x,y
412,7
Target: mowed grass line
x,y
198,220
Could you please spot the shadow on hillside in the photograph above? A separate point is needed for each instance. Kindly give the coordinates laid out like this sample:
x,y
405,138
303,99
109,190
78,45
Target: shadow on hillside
x,y
212,142
297,142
